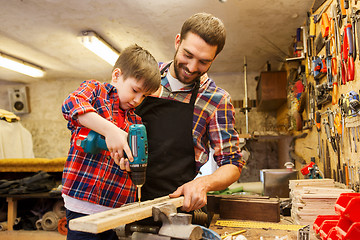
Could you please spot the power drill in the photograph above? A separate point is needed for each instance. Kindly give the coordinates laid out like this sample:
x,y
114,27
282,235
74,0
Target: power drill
x,y
311,170
91,142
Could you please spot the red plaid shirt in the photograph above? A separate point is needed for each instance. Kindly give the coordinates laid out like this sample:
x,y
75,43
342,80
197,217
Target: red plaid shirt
x,y
95,177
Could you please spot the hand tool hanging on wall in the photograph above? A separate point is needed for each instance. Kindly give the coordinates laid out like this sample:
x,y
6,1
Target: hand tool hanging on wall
x,y
335,28
318,128
350,45
338,138
353,137
327,166
319,43
311,170
353,22
312,34
317,17
356,25
312,109
346,174
322,93
319,68
344,54
334,43
328,64
349,173
335,93
342,106
325,25
339,131
331,119
353,104
328,134
341,9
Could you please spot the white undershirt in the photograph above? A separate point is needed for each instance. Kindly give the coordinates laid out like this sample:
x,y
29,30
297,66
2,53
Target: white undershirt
x,y
175,84
84,207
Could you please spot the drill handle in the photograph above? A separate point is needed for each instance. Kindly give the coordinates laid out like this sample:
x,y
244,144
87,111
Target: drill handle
x,y
94,143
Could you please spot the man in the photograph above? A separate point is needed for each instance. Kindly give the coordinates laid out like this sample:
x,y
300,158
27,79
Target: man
x,y
186,116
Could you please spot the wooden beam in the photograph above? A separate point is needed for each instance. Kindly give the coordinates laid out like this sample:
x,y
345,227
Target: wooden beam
x,y
100,222
267,210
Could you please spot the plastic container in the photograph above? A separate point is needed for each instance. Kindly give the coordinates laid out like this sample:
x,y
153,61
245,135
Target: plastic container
x,y
320,220
345,225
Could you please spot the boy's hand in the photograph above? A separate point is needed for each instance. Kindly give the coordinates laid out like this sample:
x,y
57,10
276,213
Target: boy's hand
x,y
117,144
123,163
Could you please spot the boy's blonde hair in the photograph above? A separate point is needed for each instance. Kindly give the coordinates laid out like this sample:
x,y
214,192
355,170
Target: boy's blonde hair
x,y
136,62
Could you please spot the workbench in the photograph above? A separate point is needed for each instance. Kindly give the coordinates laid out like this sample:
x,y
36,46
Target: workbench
x,y
256,233
17,168
12,202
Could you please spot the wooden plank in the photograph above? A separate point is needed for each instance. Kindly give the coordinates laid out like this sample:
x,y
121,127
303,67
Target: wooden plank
x,y
100,222
213,201
258,210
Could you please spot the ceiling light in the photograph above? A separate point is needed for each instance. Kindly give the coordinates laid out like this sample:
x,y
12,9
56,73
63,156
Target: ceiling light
x,y
98,45
21,66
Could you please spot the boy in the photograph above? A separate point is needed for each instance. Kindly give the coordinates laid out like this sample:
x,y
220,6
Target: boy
x,y
94,182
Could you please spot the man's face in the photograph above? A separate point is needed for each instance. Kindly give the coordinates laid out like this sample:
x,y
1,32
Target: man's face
x,y
193,58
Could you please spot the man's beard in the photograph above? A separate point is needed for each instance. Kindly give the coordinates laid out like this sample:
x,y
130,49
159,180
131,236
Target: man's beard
x,y
177,67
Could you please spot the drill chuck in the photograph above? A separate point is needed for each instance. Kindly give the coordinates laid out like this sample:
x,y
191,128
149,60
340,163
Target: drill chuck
x,y
138,175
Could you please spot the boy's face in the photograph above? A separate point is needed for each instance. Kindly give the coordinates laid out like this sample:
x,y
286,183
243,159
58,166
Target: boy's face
x,y
130,91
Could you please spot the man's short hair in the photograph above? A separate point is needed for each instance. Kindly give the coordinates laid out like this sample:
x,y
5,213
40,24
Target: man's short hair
x,y
210,28
135,61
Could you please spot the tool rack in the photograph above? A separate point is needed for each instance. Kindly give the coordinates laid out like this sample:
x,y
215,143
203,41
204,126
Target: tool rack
x,y
329,70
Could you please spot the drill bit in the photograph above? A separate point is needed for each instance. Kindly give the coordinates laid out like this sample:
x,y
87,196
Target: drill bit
x,y
139,194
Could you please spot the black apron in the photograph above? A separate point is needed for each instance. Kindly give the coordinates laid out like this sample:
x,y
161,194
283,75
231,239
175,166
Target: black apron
x,y
171,160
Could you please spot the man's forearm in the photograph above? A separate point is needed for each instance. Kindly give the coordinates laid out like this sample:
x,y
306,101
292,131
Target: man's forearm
x,y
222,177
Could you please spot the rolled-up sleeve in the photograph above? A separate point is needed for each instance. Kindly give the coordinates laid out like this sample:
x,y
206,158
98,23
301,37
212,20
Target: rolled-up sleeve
x,y
224,139
80,102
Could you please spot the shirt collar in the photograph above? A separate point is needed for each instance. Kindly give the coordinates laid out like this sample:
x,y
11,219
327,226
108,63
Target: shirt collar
x,y
165,82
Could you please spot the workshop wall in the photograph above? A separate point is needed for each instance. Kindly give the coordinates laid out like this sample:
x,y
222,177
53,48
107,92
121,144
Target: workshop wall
x,y
45,121
329,161
48,127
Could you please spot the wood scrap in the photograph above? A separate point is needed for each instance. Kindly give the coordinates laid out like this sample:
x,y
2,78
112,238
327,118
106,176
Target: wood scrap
x,y
313,197
267,210
100,222
213,201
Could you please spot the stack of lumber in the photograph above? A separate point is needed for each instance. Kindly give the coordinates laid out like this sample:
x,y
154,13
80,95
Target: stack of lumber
x,y
313,197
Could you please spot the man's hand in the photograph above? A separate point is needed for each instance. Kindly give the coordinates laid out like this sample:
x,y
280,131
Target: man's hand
x,y
195,191
194,194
